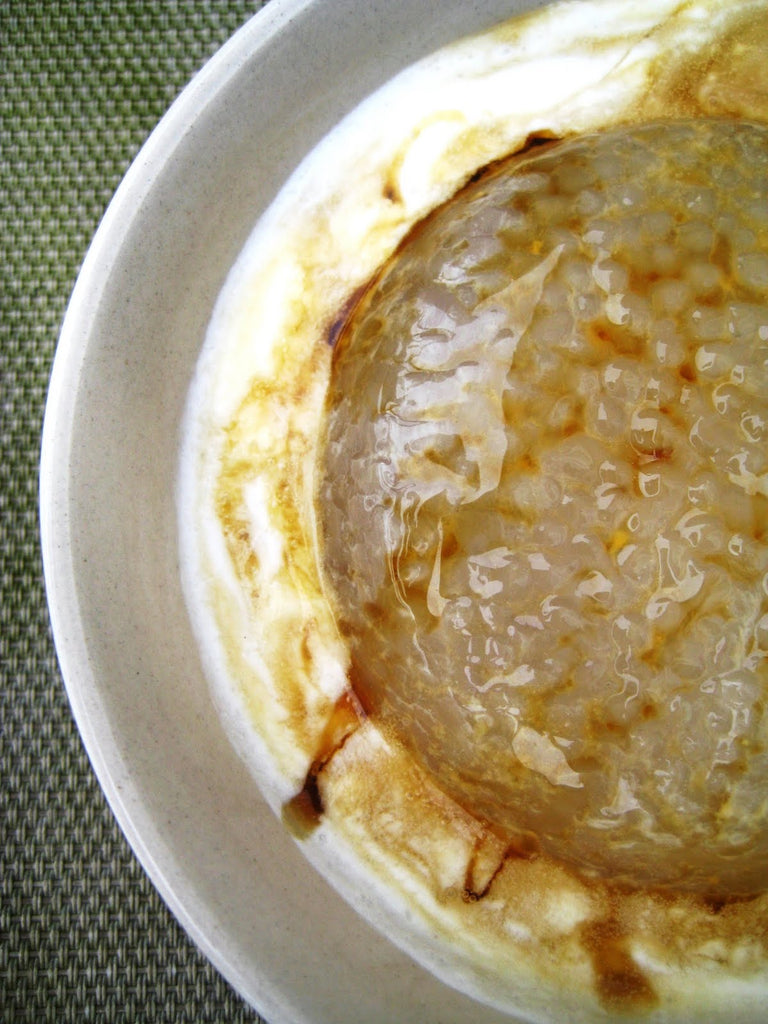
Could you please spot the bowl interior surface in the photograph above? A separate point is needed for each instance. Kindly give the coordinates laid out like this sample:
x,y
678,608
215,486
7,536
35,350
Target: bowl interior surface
x,y
127,353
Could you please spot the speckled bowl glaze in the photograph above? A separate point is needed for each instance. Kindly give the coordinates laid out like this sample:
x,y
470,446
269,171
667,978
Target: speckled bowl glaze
x,y
128,348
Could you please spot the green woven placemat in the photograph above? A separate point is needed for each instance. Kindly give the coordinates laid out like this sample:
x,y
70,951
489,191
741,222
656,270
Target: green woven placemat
x,y
83,934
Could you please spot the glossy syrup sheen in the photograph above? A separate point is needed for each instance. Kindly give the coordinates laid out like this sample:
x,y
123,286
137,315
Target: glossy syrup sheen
x,y
544,500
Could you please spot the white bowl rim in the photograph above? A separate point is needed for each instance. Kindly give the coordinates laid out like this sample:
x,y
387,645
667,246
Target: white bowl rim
x,y
57,556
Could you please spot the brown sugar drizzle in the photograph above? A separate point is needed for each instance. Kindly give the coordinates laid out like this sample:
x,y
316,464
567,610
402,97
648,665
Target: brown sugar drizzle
x,y
302,813
619,982
489,858
340,320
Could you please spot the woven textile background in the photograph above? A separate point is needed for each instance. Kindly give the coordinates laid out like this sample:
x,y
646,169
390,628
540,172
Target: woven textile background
x,y
83,934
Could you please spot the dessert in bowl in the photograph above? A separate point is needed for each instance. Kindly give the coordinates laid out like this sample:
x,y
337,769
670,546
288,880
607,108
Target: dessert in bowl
x,y
475,508
488,901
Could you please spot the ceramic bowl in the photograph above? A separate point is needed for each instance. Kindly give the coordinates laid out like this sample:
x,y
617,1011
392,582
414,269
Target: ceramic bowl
x,y
128,348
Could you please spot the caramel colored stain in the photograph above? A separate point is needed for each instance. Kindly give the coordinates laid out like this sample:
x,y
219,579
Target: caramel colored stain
x,y
339,322
525,463
488,859
620,983
727,79
617,541
613,340
303,812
